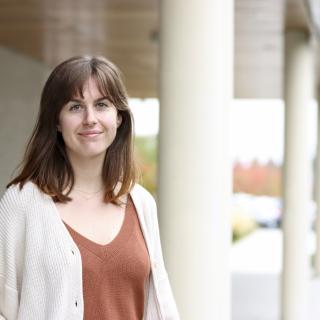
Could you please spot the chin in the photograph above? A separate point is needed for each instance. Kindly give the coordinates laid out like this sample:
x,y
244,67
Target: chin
x,y
91,155
88,153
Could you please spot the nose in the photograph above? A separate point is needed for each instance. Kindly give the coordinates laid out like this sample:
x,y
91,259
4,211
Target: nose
x,y
89,117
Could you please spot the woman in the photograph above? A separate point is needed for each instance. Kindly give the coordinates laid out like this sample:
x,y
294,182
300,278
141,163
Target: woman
x,y
79,238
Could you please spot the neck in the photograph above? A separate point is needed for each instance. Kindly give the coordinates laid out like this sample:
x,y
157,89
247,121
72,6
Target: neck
x,y
87,173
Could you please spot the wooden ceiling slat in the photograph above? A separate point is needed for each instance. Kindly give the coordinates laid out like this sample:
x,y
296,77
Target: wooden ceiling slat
x,y
127,32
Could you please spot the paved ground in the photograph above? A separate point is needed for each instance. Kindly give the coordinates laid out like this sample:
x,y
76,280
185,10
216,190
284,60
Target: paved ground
x,y
256,269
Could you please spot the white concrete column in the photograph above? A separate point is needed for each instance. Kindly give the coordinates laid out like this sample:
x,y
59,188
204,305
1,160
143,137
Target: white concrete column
x,y
196,66
317,191
298,87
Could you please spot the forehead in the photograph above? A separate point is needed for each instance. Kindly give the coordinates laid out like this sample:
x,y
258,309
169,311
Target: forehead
x,y
90,87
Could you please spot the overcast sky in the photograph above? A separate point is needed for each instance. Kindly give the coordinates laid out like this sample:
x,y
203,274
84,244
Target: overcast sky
x,y
256,127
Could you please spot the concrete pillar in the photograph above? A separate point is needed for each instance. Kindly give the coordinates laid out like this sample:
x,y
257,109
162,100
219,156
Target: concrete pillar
x,y
297,175
20,88
317,192
196,86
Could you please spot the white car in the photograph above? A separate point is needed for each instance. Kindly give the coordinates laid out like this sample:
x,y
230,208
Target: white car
x,y
266,210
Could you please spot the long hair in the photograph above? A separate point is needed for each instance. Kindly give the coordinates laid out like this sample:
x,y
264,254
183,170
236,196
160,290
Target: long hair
x,y
45,161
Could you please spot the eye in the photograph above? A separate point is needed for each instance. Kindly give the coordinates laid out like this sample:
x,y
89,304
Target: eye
x,y
102,105
75,107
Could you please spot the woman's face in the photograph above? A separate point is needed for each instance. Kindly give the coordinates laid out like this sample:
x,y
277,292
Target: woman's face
x,y
88,125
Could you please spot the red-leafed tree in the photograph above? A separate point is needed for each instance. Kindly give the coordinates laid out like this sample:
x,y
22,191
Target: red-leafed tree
x,y
258,179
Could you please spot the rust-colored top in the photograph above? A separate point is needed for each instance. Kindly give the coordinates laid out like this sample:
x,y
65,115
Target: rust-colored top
x,y
115,274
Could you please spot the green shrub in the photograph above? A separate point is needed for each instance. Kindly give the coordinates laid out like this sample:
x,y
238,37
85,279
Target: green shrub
x,y
146,156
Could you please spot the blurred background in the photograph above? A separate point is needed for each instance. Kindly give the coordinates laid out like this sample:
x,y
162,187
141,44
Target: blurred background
x,y
262,62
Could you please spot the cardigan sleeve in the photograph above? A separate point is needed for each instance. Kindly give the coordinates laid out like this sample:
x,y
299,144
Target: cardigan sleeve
x,y
11,252
165,292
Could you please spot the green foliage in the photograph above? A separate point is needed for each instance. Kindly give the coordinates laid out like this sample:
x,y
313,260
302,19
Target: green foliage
x,y
242,223
146,156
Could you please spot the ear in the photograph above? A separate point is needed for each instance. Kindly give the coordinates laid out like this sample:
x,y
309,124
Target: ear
x,y
119,120
59,127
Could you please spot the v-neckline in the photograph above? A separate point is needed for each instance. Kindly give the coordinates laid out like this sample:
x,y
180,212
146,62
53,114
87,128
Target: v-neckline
x,y
111,249
87,240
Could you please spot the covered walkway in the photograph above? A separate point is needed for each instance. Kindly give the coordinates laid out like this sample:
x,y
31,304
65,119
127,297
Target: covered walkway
x,y
196,57
256,270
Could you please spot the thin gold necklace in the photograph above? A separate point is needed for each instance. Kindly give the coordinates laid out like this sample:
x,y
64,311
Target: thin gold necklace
x,y
88,195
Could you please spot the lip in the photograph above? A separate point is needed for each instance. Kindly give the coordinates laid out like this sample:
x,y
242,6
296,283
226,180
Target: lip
x,y
90,133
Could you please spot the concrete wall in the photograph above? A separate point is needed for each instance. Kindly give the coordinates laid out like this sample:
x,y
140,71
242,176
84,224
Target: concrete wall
x,y
21,81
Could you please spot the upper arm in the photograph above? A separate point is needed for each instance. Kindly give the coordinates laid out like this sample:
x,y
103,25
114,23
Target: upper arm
x,y
11,252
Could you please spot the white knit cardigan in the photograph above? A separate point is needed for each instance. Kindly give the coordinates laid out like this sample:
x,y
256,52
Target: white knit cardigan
x,y
40,265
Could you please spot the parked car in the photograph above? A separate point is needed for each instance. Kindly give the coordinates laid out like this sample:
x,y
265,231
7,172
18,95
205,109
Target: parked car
x,y
266,210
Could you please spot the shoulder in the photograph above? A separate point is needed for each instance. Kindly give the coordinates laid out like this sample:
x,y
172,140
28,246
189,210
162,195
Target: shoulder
x,y
17,194
144,203
143,195
16,198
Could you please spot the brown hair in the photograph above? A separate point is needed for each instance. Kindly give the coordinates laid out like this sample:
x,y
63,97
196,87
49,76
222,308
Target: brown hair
x,y
45,162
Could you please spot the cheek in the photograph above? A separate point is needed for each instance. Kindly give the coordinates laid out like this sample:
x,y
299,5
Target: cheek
x,y
68,124
111,122
67,127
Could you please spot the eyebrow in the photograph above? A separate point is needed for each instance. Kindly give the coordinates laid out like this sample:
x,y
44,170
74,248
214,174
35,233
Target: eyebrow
x,y
97,100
